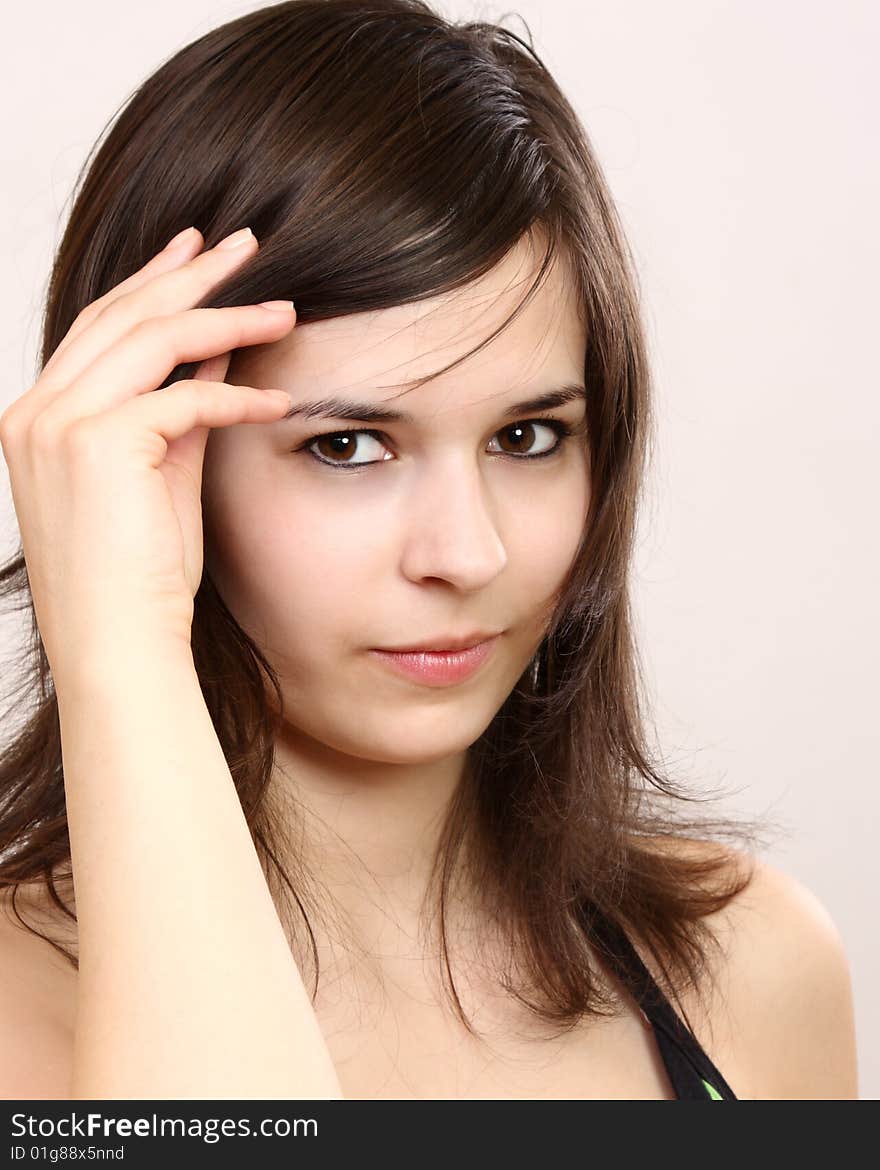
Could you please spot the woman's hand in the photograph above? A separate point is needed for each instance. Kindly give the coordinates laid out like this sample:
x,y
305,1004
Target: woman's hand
x,y
106,476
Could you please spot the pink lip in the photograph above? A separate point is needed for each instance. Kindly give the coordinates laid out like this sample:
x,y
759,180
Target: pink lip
x,y
437,668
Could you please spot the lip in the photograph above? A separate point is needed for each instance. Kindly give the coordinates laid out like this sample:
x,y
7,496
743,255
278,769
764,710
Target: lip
x,y
443,644
438,668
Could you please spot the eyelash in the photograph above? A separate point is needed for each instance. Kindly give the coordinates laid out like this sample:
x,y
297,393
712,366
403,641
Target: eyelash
x,y
562,430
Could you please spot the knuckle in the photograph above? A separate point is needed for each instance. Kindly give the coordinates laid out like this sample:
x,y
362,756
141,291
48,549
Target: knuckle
x,y
93,313
196,388
148,327
81,440
87,314
160,334
7,427
240,326
43,431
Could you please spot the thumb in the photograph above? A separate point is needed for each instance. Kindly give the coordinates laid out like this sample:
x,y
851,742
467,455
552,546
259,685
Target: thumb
x,y
213,369
188,451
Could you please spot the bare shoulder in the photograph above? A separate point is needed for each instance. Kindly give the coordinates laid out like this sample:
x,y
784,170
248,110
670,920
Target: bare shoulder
x,y
37,1004
782,1017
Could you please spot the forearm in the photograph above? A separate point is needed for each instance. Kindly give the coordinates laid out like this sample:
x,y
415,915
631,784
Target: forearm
x,y
187,985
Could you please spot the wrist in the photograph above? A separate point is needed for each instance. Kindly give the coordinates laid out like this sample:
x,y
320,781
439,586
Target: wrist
x,y
101,666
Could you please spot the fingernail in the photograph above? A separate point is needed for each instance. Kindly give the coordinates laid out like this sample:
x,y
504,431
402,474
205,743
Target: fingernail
x,y
236,239
277,306
183,237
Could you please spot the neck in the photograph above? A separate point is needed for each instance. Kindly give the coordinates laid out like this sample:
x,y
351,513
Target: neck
x,y
366,833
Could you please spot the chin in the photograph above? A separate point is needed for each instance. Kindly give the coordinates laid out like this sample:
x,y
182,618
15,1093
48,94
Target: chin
x,y
408,740
412,748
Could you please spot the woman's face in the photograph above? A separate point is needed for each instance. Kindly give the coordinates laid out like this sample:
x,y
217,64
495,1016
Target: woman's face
x,y
429,528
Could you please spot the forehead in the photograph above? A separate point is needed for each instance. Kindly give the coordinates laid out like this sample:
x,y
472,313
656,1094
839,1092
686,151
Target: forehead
x,y
378,354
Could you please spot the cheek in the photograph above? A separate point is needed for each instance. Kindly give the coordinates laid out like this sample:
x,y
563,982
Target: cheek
x,y
544,533
288,570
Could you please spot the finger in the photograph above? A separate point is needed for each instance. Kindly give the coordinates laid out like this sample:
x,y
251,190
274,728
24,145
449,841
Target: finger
x,y
144,357
175,253
188,452
213,369
175,288
150,422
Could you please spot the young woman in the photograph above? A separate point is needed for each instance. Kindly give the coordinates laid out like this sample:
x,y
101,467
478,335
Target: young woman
x,y
336,782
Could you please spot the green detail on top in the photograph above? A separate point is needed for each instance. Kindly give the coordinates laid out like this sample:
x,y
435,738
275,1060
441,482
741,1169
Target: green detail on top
x,y
713,1093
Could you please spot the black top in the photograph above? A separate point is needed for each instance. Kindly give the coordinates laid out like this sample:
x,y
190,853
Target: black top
x,y
693,1075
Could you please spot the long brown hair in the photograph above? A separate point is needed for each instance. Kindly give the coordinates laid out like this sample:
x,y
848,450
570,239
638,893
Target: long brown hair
x,y
382,155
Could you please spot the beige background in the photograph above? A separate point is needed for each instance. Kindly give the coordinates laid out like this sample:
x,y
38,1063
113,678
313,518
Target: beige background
x,y
740,142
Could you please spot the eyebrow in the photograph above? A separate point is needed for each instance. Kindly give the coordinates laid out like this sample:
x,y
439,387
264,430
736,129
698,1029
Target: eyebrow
x,y
352,411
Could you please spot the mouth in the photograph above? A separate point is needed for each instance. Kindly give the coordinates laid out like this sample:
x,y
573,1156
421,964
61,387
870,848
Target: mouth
x,y
438,667
444,644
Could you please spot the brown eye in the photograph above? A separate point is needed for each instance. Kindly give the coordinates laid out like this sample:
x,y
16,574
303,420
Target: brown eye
x,y
339,448
521,437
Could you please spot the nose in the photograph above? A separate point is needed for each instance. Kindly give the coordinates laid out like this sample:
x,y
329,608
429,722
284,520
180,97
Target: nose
x,y
452,533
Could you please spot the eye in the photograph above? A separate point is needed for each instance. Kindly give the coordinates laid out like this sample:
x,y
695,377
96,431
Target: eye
x,y
338,448
343,444
523,434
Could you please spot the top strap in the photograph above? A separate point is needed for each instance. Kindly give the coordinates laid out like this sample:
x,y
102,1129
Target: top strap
x,y
692,1073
